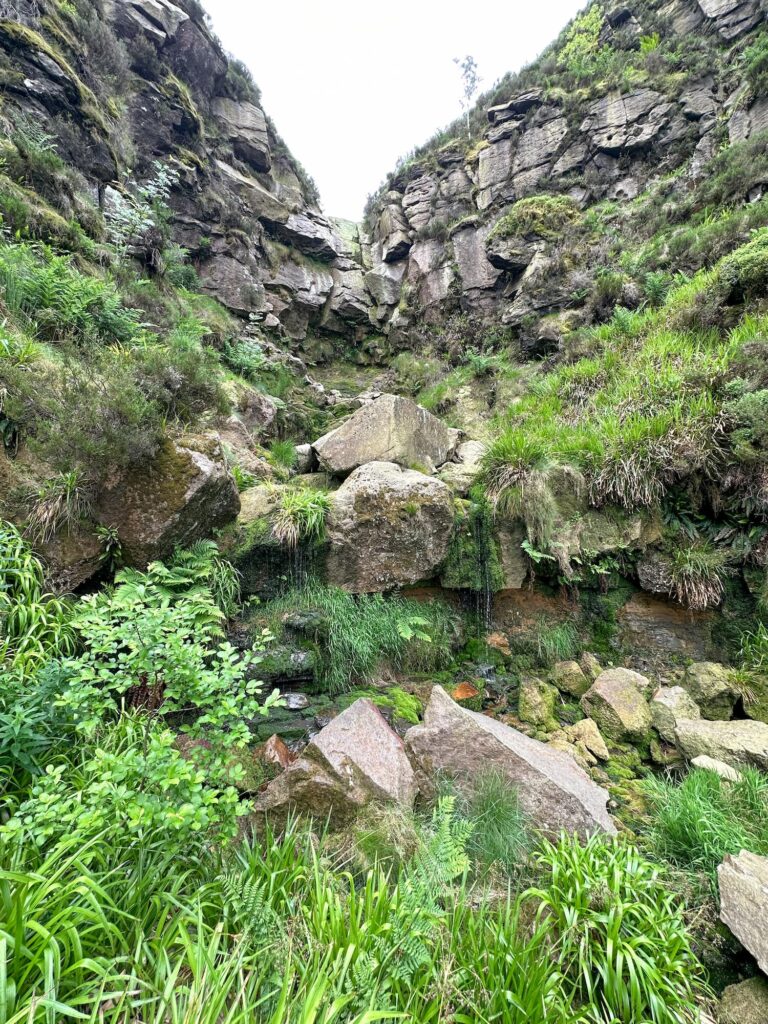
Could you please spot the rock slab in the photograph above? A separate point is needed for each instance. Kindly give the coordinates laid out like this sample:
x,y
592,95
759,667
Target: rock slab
x,y
354,760
743,883
736,743
389,429
617,702
553,790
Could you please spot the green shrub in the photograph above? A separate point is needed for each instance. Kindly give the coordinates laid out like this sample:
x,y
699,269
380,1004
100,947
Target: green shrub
x,y
756,64
623,945
41,288
583,56
748,421
34,626
745,272
544,215
696,822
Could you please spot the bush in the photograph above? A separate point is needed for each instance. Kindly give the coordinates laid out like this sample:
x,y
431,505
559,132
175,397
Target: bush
x,y
544,215
745,272
623,943
756,64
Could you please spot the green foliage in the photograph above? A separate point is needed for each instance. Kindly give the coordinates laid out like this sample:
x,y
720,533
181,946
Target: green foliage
x,y
46,292
137,210
300,517
473,561
545,216
34,625
754,648
650,43
500,839
283,454
623,942
698,573
745,271
695,822
61,502
558,642
130,781
756,64
582,55
153,643
358,634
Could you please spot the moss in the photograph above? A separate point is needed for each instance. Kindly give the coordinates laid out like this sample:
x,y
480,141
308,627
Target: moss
x,y
14,34
601,617
739,615
473,561
544,215
176,90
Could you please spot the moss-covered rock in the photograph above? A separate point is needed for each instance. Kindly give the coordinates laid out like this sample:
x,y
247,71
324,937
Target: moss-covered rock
x,y
536,703
617,701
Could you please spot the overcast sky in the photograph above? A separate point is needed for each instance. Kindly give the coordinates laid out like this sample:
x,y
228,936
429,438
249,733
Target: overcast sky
x,y
354,84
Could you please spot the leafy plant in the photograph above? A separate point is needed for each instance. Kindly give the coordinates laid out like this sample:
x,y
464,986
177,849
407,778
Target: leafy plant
x,y
623,944
283,454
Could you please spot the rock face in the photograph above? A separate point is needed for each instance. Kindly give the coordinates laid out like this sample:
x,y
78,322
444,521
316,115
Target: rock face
x,y
743,883
183,494
669,705
736,743
354,760
389,429
553,790
710,686
617,703
388,527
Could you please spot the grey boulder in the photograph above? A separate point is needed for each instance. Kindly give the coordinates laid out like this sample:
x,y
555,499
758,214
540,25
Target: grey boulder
x,y
743,884
735,743
553,790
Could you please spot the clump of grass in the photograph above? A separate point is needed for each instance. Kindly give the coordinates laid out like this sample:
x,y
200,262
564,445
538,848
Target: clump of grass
x,y
60,503
697,575
556,642
361,633
543,215
283,454
696,822
501,838
300,517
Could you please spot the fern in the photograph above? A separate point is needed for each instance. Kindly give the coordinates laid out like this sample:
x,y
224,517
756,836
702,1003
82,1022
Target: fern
x,y
249,905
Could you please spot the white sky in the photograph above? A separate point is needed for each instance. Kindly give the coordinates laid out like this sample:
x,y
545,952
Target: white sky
x,y
354,84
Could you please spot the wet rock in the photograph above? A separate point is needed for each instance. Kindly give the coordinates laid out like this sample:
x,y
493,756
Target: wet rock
x,y
617,702
736,743
568,677
356,759
745,1003
389,429
388,527
743,883
648,624
710,686
669,705
461,744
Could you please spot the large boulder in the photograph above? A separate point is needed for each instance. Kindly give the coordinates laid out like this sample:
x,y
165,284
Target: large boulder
x,y
354,760
389,429
709,684
569,678
183,494
669,705
736,743
553,790
617,702
388,527
743,884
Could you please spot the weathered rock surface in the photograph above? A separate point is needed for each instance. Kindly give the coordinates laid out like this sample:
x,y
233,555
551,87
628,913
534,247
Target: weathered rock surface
x,y
669,705
388,527
617,702
536,703
552,788
745,1003
354,760
743,884
568,677
710,685
389,429
181,495
246,127
736,743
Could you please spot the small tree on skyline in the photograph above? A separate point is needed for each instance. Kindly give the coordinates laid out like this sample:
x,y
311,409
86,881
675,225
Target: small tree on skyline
x,y
470,83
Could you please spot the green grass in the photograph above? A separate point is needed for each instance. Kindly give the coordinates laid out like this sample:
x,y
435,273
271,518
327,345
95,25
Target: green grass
x,y
360,634
300,517
696,822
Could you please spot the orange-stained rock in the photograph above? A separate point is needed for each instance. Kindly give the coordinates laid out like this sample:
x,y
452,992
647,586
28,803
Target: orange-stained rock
x,y
499,643
276,752
465,691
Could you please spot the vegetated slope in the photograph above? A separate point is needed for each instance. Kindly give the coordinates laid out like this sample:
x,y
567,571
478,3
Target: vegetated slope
x,y
584,287
154,226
